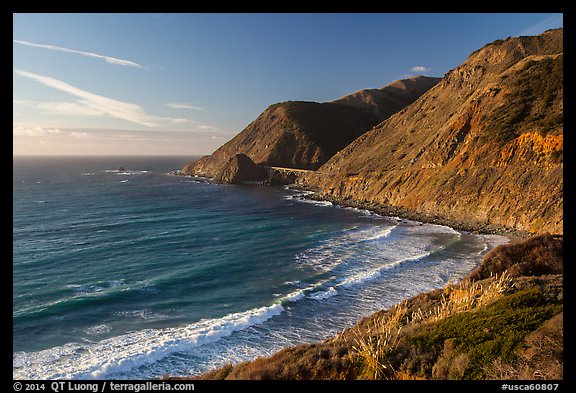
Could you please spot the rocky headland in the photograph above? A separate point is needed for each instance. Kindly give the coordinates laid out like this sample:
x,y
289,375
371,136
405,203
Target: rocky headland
x,y
304,135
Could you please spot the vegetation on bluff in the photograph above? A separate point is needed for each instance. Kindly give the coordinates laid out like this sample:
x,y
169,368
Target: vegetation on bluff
x,y
533,100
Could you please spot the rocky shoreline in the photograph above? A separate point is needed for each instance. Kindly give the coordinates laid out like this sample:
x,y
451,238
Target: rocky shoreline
x,y
394,211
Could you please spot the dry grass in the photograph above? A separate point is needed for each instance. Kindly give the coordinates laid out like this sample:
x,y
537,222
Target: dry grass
x,y
372,346
374,343
465,296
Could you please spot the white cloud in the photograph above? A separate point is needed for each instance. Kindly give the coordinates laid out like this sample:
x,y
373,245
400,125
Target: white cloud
x,y
93,104
17,101
108,59
185,106
33,130
207,127
68,108
76,134
420,69
89,141
179,120
540,27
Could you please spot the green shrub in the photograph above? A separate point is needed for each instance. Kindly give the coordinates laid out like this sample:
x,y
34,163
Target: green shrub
x,y
490,333
542,254
533,90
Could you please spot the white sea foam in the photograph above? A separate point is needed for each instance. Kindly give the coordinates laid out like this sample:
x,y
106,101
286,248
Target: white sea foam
x,y
296,282
126,172
84,289
493,241
116,283
99,329
369,275
98,287
294,296
321,295
115,355
142,314
380,233
332,252
360,278
314,202
364,212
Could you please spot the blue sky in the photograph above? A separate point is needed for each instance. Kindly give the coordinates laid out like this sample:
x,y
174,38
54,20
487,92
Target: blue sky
x,y
187,83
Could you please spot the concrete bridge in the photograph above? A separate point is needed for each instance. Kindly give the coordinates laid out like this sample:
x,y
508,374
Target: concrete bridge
x,y
283,175
288,171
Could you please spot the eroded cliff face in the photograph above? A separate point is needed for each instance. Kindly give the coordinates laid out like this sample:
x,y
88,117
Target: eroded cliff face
x,y
305,135
484,145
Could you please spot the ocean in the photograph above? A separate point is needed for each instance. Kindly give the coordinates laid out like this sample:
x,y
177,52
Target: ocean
x,y
133,273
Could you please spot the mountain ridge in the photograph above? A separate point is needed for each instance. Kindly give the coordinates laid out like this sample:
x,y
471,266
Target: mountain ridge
x,y
304,135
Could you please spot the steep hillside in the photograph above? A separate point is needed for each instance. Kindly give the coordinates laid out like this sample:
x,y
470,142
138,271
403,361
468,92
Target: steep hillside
x,y
305,135
484,145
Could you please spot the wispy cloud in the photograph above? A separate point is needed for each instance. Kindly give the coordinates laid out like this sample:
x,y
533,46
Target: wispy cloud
x,y
420,69
33,130
207,127
108,59
93,104
17,101
540,27
68,108
181,120
76,134
33,138
185,106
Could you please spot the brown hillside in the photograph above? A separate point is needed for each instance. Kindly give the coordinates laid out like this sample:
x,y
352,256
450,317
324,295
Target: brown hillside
x,y
485,145
388,100
305,135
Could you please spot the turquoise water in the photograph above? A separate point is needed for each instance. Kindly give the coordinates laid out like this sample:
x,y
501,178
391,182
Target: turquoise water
x,y
136,273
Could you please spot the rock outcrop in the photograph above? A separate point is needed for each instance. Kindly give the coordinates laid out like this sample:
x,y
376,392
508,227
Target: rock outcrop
x,y
484,145
240,169
305,135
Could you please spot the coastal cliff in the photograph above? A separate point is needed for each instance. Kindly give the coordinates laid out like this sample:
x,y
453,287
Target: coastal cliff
x,y
305,135
485,145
